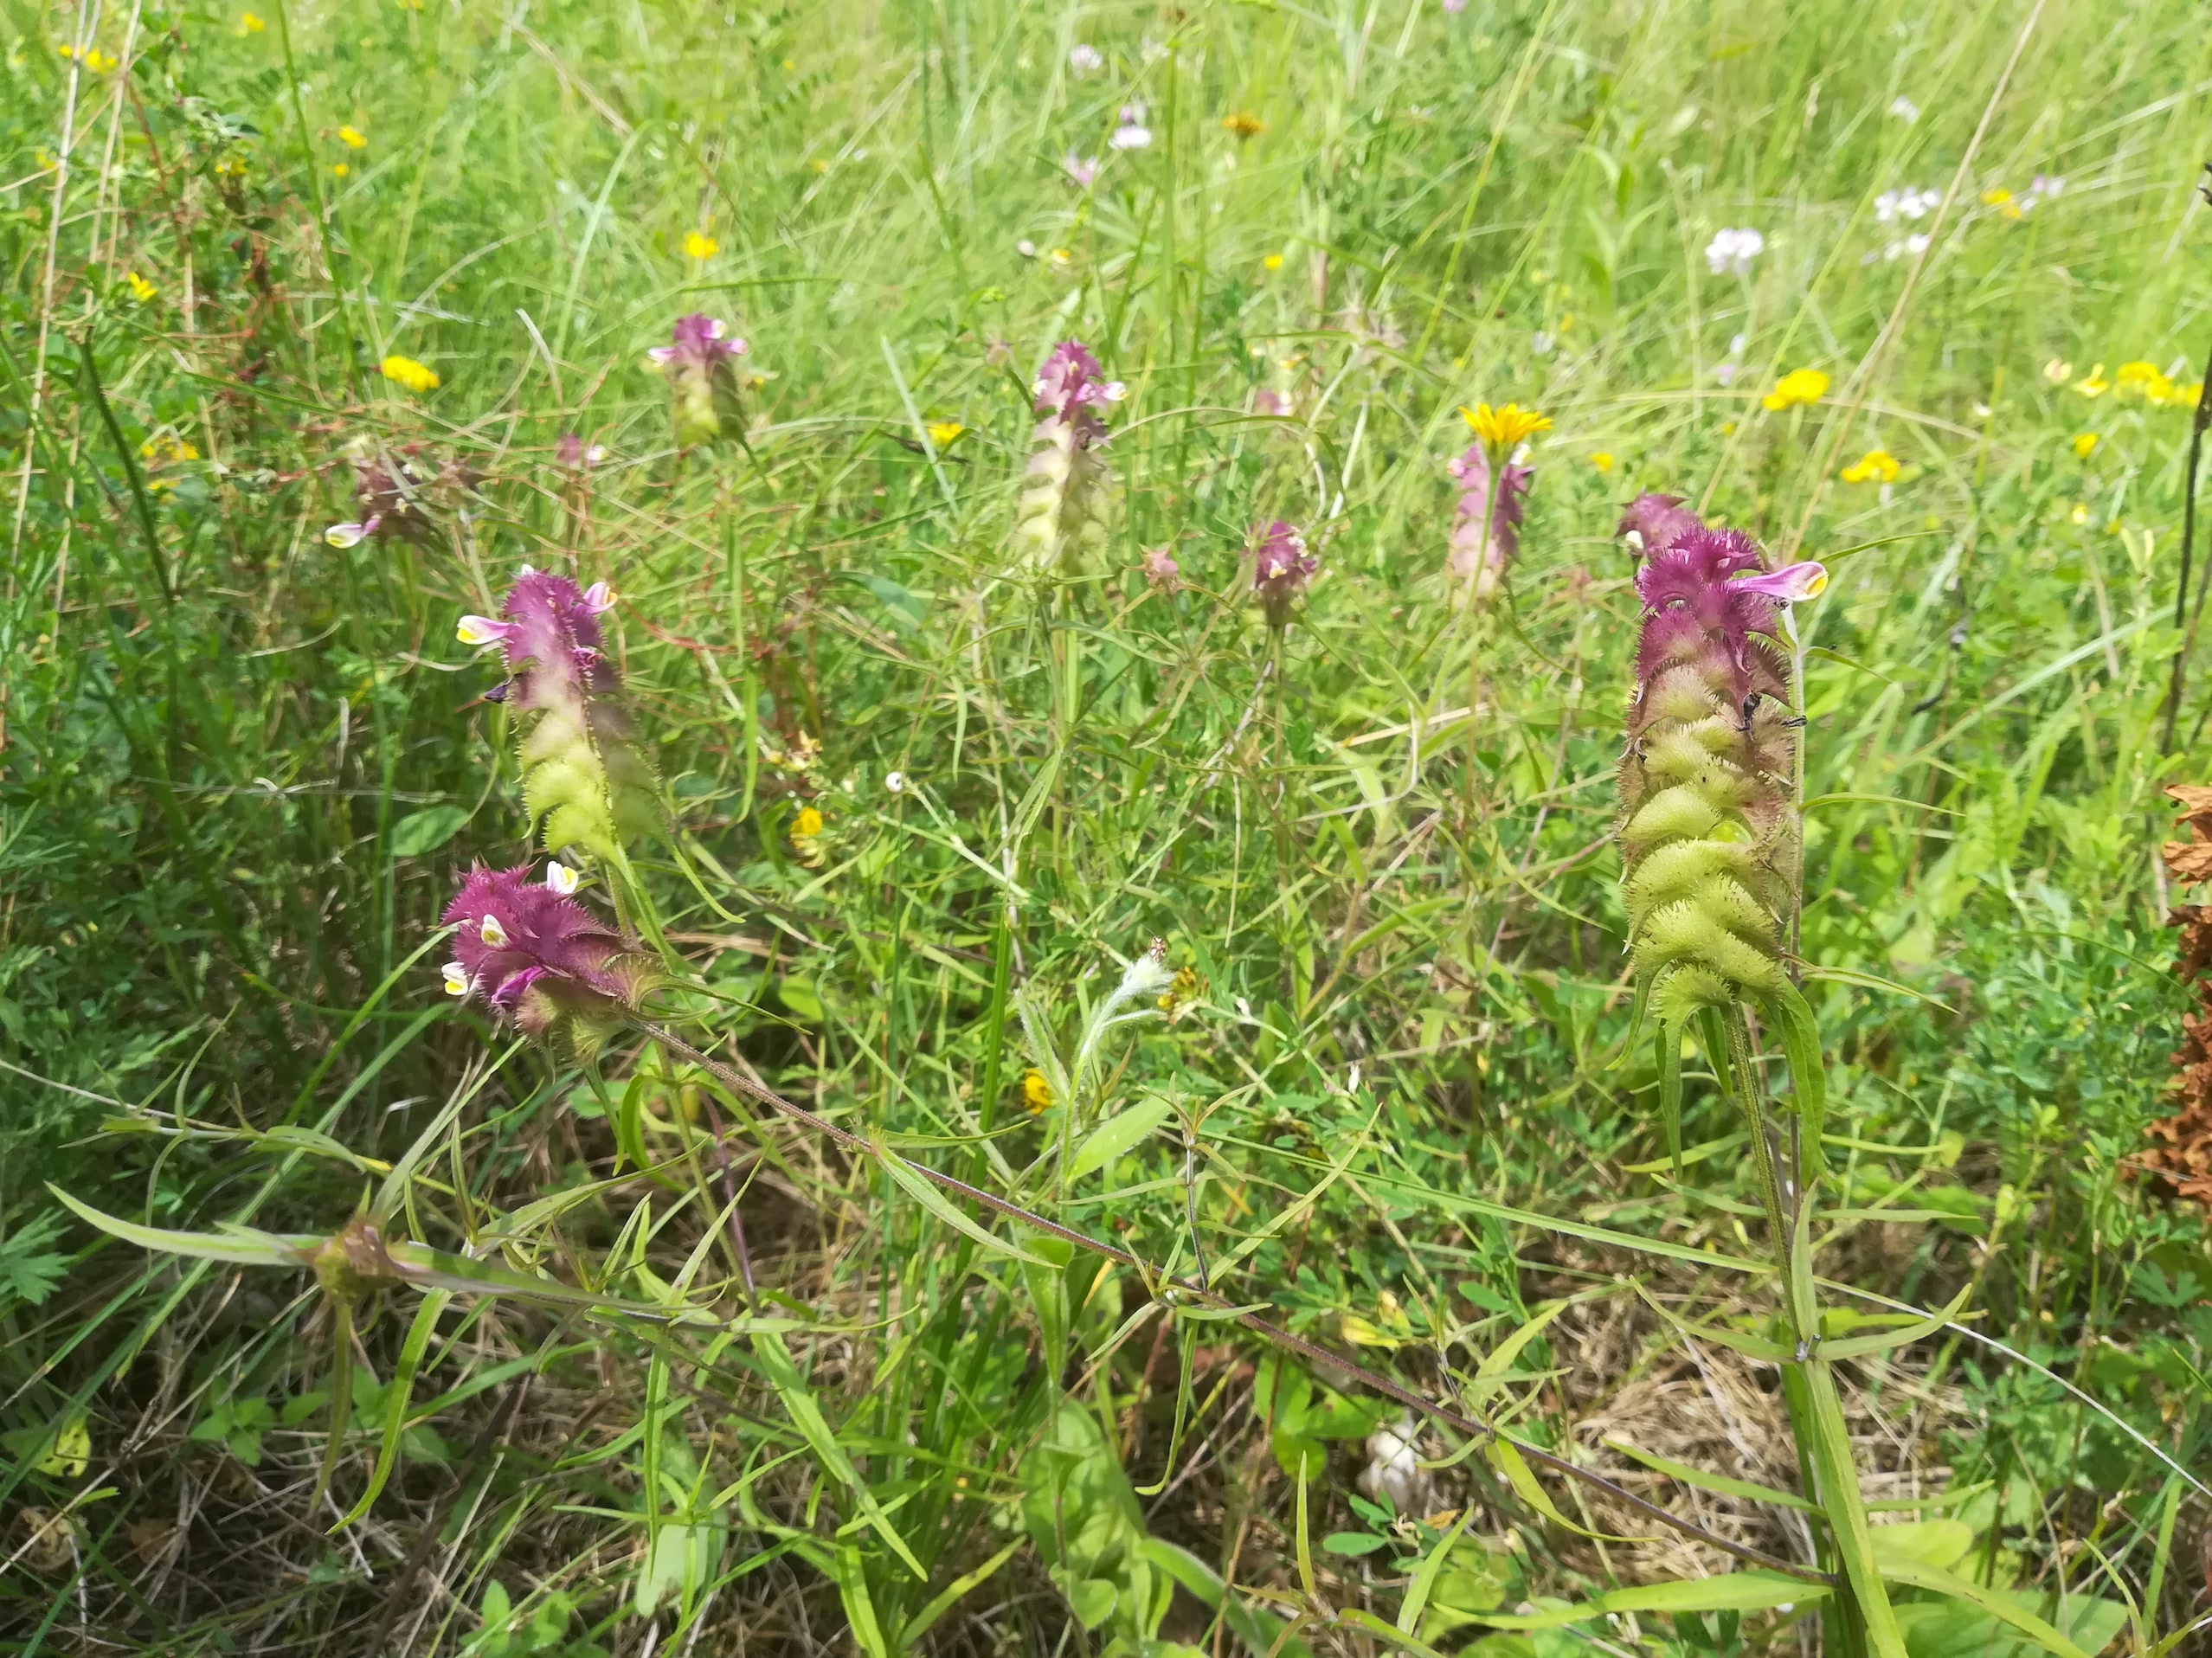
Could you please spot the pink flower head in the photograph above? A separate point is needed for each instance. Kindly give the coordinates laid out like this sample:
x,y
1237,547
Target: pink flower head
x,y
1723,632
549,636
1161,570
541,958
1281,570
1072,386
1082,170
1652,522
698,362
1484,554
574,453
395,494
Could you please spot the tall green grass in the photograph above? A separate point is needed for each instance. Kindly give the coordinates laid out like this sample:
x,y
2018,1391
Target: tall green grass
x,y
243,768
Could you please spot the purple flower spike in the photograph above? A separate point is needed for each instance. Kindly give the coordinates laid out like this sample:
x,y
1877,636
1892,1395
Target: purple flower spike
x,y
1652,522
1283,569
699,361
1071,385
1057,519
1480,553
541,958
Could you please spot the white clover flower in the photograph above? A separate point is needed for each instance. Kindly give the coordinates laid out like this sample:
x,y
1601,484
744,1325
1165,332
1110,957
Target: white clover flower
x,y
1905,109
1085,59
1131,135
1731,251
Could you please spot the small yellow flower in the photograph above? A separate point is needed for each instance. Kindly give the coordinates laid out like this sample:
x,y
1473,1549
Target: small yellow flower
x,y
164,447
1996,197
1798,386
2081,513
1603,461
820,165
1875,466
409,373
698,245
1566,322
249,24
2086,444
1244,123
1273,262
353,138
2058,371
1061,257
1504,427
141,290
1728,428
945,434
806,825
1036,1092
2094,384
2136,374
340,170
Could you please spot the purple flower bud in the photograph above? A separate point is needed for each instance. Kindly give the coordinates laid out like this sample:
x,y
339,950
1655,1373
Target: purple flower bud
x,y
700,362
1478,553
1283,569
541,958
1161,570
1652,522
1082,170
1072,386
569,451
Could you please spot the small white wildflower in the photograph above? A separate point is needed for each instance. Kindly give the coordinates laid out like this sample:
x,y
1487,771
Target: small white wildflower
x,y
1905,109
1540,342
895,781
1085,59
561,877
1725,373
493,933
1026,249
1130,136
1731,251
456,979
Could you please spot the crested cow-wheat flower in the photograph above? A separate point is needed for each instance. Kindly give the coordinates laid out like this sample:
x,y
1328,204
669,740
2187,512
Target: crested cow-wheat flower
x,y
535,955
1483,551
1056,520
700,362
1283,569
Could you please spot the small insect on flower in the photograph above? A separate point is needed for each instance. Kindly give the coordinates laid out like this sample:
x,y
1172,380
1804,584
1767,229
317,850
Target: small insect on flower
x,y
141,290
1875,466
1602,460
1036,1092
1730,252
698,245
1244,123
2085,445
406,371
353,138
1505,427
1798,387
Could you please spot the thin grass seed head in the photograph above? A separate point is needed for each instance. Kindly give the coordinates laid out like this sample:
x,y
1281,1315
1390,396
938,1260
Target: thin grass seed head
x,y
583,775
535,955
700,362
1059,519
1709,825
1477,551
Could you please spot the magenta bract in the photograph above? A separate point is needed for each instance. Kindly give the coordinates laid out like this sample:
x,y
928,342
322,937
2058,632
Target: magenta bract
x,y
541,959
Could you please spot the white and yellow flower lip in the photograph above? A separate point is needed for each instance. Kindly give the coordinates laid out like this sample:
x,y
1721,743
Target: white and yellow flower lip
x,y
456,980
351,535
598,597
493,933
1791,584
483,630
561,877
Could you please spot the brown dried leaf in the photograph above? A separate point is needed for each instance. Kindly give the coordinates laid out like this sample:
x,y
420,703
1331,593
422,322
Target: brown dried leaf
x,y
2188,860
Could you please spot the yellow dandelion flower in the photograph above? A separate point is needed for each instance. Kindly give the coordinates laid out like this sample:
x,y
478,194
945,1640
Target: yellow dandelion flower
x,y
249,24
2134,377
2058,371
1728,428
1603,461
2094,384
1273,262
1036,1092
1799,386
945,434
698,245
340,170
141,290
406,371
1244,123
2086,444
1504,427
353,138
1996,197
